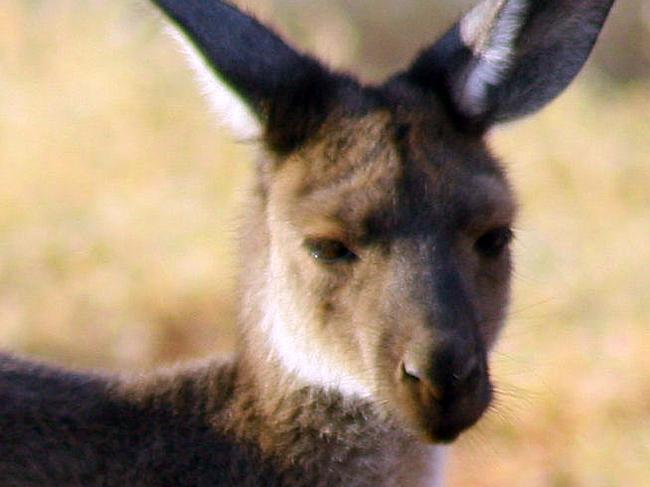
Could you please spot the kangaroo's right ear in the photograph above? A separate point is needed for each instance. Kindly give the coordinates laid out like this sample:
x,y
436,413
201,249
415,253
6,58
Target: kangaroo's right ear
x,y
508,58
260,85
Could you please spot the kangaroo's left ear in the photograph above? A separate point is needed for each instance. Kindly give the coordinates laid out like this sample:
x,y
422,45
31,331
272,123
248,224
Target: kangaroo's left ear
x,y
258,84
508,58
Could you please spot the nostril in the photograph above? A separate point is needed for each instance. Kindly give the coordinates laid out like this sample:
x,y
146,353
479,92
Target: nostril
x,y
469,369
424,388
410,373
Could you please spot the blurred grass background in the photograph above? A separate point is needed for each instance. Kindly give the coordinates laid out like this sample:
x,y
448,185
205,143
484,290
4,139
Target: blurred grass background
x,y
119,198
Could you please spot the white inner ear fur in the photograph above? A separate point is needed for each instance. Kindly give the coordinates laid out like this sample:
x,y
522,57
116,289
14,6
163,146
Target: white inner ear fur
x,y
229,106
490,31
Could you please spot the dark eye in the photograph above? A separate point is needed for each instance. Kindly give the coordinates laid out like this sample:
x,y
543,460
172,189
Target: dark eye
x,y
494,242
329,251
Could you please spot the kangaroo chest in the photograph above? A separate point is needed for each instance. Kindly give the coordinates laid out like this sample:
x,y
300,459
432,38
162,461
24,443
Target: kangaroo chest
x,y
311,438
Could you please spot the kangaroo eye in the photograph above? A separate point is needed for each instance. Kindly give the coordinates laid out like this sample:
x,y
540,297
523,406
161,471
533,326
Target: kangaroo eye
x,y
494,242
329,251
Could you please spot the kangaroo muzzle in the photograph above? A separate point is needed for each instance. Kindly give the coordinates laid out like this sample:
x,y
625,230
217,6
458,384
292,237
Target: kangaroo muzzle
x,y
445,393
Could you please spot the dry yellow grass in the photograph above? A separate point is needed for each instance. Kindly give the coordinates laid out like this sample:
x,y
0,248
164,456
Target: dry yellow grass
x,y
118,209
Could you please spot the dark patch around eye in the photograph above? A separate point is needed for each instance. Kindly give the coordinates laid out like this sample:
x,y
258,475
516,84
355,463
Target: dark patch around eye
x,y
494,242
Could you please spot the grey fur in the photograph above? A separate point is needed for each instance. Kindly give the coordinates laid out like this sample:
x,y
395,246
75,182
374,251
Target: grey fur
x,y
376,239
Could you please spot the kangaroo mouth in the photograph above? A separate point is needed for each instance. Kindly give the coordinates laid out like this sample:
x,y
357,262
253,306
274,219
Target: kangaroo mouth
x,y
440,415
455,416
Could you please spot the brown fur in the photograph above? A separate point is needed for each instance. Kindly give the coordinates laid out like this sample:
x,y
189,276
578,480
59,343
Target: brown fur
x,y
297,430
376,277
370,193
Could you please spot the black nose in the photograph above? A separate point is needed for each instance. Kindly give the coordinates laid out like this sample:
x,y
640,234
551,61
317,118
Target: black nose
x,y
456,367
452,389
446,370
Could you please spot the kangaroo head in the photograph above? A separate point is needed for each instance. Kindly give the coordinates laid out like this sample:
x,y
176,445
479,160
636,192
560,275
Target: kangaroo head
x,y
384,267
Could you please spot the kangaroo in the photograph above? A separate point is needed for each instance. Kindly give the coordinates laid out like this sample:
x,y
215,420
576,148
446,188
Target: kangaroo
x,y
376,270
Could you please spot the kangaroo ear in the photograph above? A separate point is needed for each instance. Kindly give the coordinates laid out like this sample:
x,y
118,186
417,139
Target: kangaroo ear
x,y
258,84
508,58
